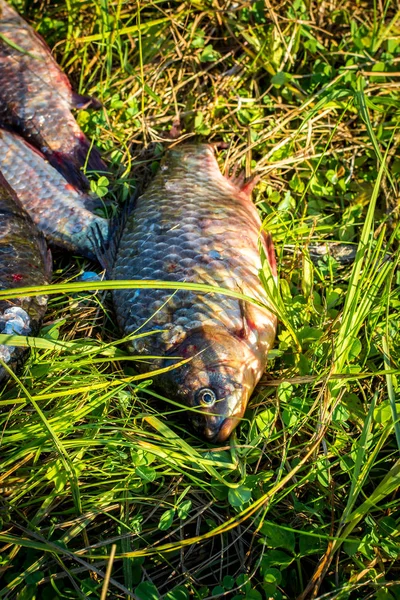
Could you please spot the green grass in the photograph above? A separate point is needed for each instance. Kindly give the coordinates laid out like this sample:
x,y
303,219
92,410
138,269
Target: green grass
x,y
105,490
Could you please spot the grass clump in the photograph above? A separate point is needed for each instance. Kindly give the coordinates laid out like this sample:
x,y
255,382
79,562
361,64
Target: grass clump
x,y
105,492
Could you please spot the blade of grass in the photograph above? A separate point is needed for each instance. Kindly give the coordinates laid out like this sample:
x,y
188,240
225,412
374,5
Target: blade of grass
x,y
390,388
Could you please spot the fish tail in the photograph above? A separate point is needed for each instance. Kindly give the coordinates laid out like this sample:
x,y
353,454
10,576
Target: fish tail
x,y
70,164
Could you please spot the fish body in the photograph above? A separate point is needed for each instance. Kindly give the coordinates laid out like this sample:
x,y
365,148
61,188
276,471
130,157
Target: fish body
x,y
194,225
24,261
60,211
36,99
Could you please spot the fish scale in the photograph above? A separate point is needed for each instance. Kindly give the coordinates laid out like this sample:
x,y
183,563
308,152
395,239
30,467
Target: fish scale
x,y
25,261
194,225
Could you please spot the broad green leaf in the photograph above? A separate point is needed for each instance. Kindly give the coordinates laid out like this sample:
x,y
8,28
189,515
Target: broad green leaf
x,y
147,591
277,537
178,593
166,519
253,594
146,473
273,576
238,496
184,509
209,54
275,558
228,582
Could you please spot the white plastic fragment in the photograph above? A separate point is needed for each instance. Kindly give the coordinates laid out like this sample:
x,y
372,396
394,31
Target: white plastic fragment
x,y
15,321
5,353
15,326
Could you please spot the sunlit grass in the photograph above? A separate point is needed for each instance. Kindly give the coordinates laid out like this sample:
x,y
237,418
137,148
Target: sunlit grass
x,y
97,469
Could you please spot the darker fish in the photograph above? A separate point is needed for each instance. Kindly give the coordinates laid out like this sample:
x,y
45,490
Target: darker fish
x,y
24,261
60,211
36,98
194,225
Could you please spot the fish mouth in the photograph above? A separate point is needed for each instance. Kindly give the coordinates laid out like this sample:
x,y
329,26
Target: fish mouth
x,y
226,428
223,432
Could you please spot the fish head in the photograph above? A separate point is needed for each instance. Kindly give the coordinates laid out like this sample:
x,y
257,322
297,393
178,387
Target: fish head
x,y
216,382
219,395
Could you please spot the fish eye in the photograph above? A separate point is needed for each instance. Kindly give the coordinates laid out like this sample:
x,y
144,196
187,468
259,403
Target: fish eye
x,y
206,397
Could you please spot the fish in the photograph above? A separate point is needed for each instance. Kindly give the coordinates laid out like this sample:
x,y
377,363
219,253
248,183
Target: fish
x,y
59,210
24,261
36,99
195,225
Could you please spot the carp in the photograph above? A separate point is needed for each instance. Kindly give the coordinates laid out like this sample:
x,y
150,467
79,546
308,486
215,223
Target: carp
x,y
193,225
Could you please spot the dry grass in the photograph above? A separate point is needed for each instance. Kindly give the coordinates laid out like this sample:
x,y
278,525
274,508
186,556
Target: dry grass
x,y
302,502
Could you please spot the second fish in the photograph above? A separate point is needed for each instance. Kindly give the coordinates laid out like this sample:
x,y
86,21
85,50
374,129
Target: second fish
x,y
36,99
58,209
